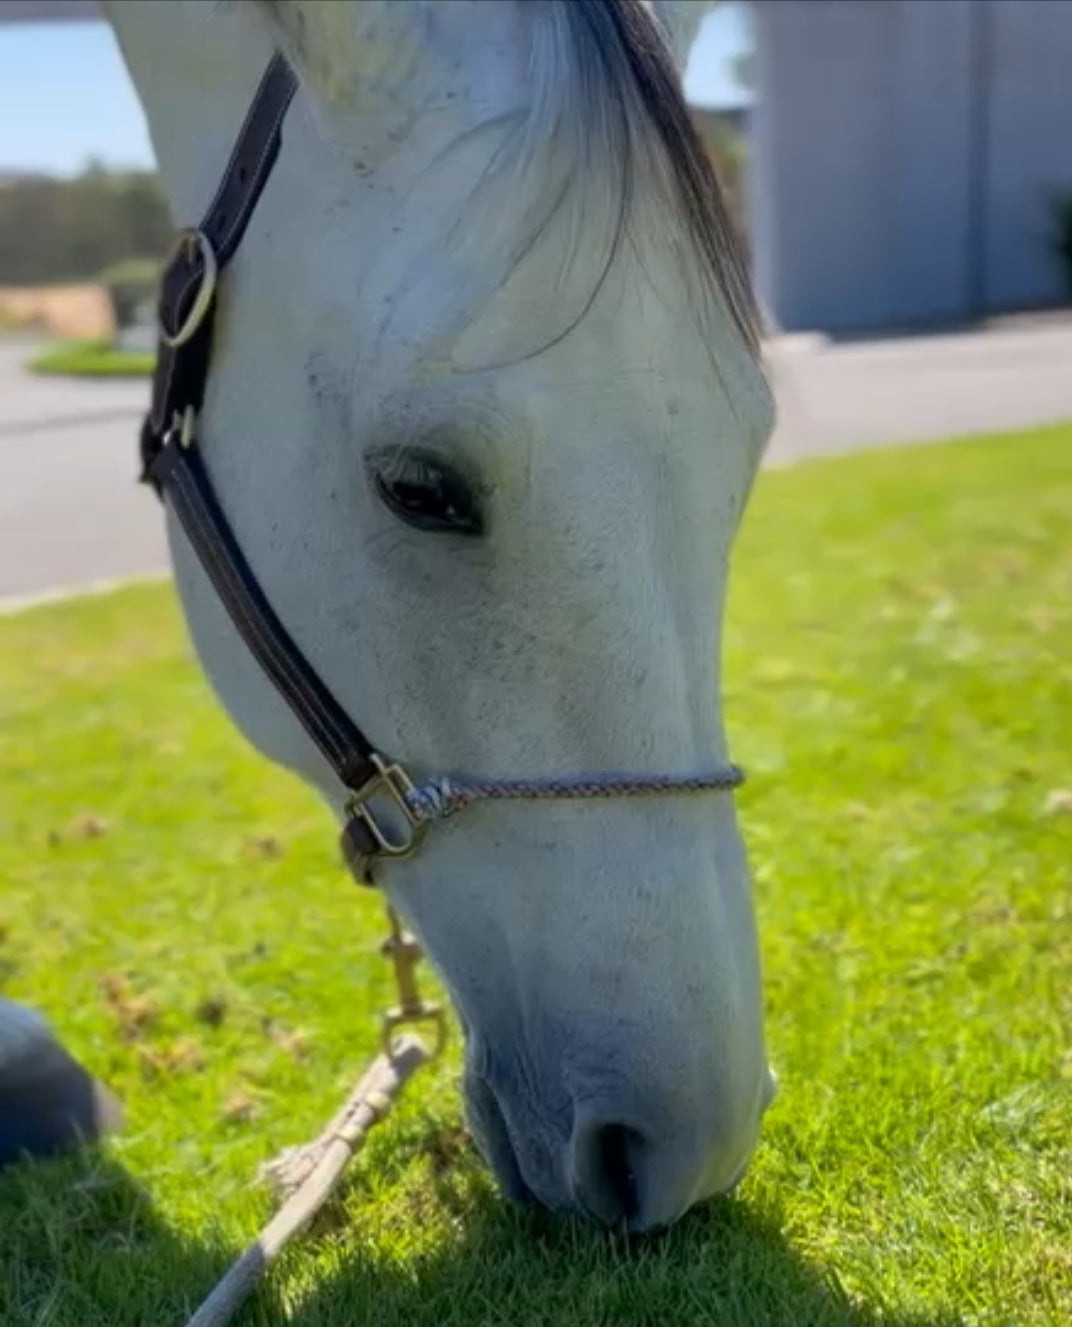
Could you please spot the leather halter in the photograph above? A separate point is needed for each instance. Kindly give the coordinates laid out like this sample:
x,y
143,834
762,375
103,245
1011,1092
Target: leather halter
x,y
172,464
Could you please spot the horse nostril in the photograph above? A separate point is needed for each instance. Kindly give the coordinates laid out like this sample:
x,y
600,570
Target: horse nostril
x,y
605,1159
615,1145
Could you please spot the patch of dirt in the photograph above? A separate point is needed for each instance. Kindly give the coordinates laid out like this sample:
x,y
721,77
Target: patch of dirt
x,y
292,1041
212,1010
184,1055
134,1014
80,829
240,1107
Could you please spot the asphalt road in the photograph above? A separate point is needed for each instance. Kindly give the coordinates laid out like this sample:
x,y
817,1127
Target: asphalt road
x,y
71,513
836,398
70,510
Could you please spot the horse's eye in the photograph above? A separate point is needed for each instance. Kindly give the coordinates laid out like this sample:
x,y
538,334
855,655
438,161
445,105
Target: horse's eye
x,y
427,492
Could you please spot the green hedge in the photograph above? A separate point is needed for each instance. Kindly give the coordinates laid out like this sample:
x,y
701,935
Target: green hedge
x,y
131,286
1061,210
92,359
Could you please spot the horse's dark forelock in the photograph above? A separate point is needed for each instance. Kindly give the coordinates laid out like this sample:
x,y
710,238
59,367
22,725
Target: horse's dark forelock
x,y
629,83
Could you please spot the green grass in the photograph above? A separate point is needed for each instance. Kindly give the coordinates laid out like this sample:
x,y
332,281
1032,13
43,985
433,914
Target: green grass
x,y
899,685
92,359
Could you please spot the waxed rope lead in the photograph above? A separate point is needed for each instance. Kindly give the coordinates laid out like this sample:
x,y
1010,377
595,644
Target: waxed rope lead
x,y
366,1106
306,1176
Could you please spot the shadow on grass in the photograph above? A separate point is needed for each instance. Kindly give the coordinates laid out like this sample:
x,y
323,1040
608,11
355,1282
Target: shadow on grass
x,y
81,1246
723,1268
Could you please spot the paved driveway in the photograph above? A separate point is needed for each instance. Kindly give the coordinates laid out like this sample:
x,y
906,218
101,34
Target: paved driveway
x,y
71,512
836,398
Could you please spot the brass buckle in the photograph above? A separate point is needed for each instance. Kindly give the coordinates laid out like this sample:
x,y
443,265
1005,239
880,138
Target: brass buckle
x,y
193,241
393,782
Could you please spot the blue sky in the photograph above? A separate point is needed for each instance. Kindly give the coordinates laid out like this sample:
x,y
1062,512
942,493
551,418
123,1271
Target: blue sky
x,y
65,95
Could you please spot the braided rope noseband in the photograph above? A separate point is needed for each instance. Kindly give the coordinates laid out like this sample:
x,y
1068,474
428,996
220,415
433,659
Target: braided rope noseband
x,y
367,835
440,797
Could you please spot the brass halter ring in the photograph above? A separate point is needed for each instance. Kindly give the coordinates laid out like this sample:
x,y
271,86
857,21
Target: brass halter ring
x,y
194,242
392,784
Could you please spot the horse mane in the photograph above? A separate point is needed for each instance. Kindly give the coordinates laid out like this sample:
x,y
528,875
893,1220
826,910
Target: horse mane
x,y
604,73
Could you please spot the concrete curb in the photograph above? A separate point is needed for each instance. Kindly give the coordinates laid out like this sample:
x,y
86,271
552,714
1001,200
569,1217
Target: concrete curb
x,y
11,605
795,343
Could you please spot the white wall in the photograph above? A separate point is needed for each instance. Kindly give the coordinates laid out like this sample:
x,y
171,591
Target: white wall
x,y
876,200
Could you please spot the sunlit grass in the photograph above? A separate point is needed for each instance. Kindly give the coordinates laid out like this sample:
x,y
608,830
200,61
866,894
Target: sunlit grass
x,y
899,683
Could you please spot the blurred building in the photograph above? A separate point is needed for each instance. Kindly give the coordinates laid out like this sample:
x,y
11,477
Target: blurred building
x,y
903,155
897,160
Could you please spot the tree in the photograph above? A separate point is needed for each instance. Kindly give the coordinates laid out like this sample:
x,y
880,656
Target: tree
x,y
54,230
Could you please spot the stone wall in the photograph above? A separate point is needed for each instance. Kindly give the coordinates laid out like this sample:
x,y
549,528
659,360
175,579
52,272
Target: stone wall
x,y
71,313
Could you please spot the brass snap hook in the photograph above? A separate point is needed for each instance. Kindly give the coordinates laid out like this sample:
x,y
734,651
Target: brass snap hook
x,y
402,948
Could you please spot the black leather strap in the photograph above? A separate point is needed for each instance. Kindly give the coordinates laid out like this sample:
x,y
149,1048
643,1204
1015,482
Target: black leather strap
x,y
171,458
181,474
181,372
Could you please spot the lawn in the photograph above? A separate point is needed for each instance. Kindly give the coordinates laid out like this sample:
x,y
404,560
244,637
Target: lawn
x,y
899,665
92,359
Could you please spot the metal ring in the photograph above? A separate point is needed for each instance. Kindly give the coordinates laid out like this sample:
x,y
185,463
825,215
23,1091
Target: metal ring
x,y
205,291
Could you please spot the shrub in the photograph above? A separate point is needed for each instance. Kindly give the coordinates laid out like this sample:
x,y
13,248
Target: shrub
x,y
1061,209
91,359
728,150
131,286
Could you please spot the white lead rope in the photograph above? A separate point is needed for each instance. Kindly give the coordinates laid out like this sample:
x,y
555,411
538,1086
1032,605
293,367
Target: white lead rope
x,y
325,1159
